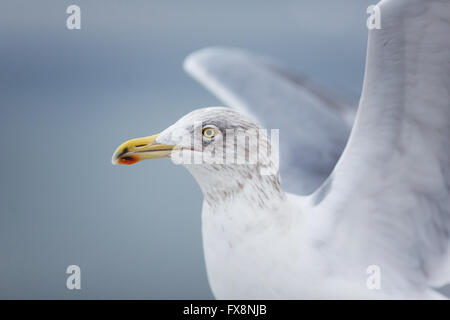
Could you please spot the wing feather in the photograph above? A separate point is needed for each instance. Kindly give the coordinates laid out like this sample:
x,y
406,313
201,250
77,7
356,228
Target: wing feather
x,y
390,193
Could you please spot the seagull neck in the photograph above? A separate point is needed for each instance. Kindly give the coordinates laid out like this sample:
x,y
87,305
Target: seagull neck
x,y
222,184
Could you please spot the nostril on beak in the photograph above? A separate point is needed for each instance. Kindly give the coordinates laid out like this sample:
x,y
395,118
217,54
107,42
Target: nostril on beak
x,y
140,145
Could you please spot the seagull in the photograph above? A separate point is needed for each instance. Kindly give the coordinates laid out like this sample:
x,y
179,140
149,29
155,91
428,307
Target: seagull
x,y
357,204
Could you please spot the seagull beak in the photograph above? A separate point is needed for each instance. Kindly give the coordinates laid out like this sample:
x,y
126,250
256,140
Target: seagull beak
x,y
135,150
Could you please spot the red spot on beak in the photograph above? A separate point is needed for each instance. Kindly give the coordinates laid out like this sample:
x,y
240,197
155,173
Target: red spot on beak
x,y
128,160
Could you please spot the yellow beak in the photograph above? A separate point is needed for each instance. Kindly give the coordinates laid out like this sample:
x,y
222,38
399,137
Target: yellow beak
x,y
135,150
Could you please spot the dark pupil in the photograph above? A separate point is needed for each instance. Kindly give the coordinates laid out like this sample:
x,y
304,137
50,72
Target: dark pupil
x,y
209,132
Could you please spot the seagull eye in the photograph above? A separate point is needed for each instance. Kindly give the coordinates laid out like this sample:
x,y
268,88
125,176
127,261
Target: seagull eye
x,y
209,132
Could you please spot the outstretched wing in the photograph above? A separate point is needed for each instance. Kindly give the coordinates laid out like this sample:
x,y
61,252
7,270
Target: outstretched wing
x,y
388,200
314,124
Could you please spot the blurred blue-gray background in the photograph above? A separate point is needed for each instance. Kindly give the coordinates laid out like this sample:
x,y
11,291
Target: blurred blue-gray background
x,y
69,97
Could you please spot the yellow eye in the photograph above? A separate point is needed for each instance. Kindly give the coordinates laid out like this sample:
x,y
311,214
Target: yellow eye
x,y
209,132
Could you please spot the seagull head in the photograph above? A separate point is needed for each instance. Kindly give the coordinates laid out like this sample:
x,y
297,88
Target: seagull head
x,y
221,147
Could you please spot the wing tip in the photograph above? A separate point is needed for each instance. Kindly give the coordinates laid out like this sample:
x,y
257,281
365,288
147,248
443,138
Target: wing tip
x,y
209,55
